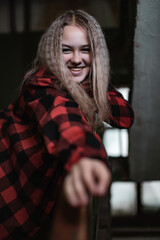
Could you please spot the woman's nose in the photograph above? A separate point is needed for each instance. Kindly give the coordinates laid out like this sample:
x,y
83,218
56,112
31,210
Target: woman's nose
x,y
76,58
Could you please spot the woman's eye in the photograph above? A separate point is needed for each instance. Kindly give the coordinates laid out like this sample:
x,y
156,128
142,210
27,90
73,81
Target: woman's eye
x,y
66,50
86,50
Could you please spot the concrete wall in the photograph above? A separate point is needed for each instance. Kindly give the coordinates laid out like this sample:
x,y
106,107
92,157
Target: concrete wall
x,y
145,134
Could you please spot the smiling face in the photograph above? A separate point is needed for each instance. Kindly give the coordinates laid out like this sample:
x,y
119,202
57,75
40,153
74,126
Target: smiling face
x,y
76,52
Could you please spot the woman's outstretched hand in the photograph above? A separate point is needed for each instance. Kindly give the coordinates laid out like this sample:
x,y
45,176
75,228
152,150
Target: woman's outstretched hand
x,y
87,177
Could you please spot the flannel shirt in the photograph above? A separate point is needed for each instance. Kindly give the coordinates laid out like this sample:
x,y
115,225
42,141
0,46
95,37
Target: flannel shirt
x,y
42,133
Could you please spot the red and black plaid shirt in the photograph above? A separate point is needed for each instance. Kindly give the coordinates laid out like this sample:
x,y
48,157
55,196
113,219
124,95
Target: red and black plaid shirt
x,y
42,133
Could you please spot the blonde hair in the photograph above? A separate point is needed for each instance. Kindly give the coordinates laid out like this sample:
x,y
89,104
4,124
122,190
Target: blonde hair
x,y
49,54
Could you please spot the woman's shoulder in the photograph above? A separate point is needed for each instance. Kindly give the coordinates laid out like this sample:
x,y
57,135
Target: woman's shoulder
x,y
44,83
41,78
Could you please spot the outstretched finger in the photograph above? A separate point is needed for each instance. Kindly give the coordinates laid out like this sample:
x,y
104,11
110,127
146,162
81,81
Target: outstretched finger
x,y
102,178
79,186
88,179
69,192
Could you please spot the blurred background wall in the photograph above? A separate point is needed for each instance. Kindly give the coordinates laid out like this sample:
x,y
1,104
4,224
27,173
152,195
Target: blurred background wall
x,y
132,32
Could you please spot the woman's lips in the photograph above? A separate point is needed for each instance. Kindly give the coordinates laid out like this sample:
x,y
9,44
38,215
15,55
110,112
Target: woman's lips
x,y
76,71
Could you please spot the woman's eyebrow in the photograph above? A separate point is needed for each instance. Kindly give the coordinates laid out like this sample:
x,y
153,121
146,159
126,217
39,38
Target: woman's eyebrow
x,y
87,45
66,45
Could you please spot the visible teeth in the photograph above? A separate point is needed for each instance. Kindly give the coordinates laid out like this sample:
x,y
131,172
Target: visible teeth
x,y
76,69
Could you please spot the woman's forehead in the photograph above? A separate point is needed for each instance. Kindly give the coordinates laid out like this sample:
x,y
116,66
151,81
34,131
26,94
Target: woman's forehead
x,y
75,33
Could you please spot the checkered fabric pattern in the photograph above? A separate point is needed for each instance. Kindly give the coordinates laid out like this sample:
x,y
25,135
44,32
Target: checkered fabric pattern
x,y
42,133
121,115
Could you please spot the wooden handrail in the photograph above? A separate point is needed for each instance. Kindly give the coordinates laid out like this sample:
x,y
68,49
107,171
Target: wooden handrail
x,y
70,223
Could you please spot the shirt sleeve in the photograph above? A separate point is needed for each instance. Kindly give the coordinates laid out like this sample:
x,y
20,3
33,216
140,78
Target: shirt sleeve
x,y
61,123
121,113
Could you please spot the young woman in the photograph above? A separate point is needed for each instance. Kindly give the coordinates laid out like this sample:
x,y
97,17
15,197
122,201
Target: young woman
x,y
48,133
